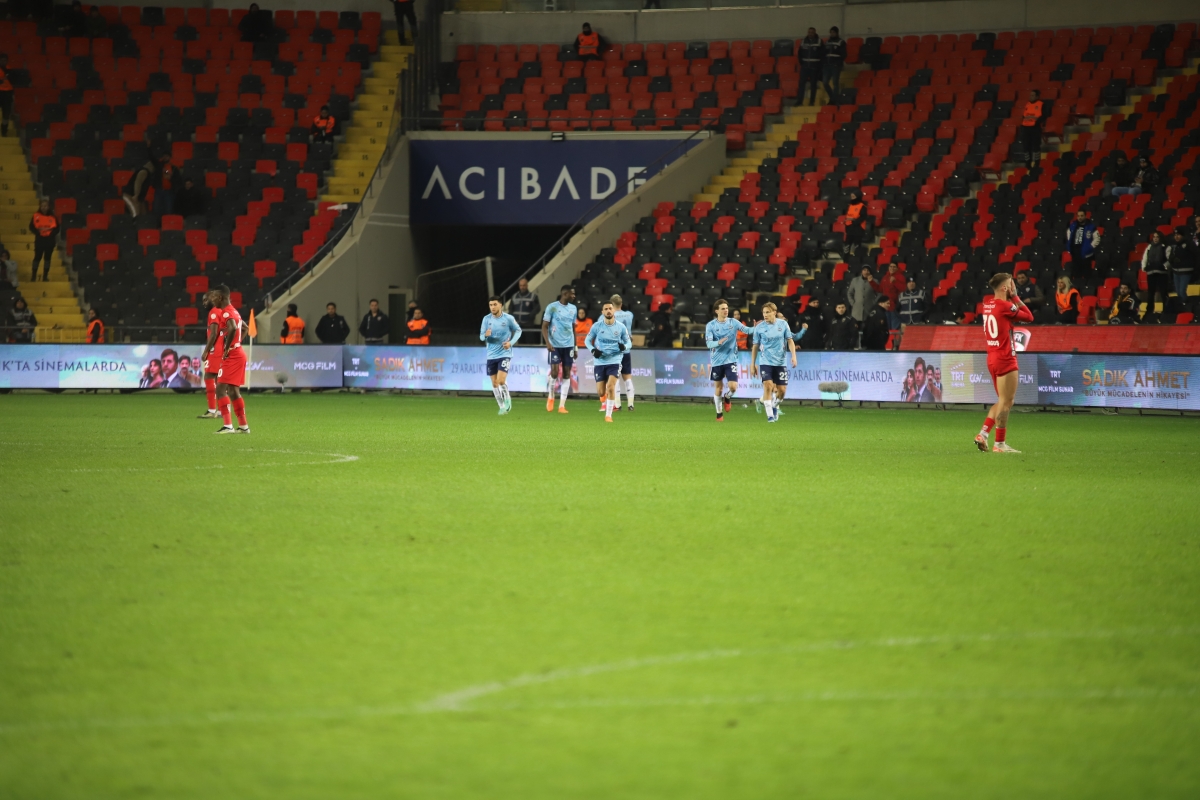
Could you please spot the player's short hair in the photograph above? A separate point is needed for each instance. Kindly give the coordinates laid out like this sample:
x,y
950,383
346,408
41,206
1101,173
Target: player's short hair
x,y
605,303
372,300
566,288
998,280
771,306
616,300
719,303
496,297
221,289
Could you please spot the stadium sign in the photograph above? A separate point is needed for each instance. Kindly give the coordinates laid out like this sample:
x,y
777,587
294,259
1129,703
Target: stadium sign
x,y
517,181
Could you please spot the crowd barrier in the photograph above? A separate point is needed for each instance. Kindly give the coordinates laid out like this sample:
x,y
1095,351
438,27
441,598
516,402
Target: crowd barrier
x,y
1051,379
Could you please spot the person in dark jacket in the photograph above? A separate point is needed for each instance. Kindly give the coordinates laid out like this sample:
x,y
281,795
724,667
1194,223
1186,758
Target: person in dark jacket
x,y
662,328
375,325
190,200
843,331
97,25
1124,308
332,329
1029,292
1154,264
256,25
44,227
1119,177
404,10
1082,240
1181,260
525,306
75,22
139,184
912,303
1145,179
21,322
875,327
814,318
812,61
835,57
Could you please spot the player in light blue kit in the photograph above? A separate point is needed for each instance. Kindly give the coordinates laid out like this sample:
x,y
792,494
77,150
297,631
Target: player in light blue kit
x,y
720,335
607,340
781,389
769,339
558,332
501,332
626,319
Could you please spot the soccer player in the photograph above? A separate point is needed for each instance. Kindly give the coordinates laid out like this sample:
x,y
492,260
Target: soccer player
x,y
607,340
626,319
781,388
720,335
501,332
768,339
999,311
232,373
212,355
558,332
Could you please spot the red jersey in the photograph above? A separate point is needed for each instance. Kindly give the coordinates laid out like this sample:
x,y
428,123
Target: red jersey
x,y
234,349
213,364
998,317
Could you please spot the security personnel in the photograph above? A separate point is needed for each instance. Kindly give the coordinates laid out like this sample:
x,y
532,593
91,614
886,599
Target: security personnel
x,y
323,126
95,328
1031,127
853,223
587,44
812,57
44,227
418,328
403,9
6,95
835,57
293,327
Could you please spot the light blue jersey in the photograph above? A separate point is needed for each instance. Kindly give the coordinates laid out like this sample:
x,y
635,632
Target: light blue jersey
x,y
721,338
625,318
605,338
771,339
562,323
504,329
798,335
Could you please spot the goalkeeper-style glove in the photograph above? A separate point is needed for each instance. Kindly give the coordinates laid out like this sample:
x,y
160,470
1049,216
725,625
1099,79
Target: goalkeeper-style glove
x,y
596,352
621,346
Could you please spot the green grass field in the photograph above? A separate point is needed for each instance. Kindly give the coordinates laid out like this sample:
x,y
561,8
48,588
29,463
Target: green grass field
x,y
380,596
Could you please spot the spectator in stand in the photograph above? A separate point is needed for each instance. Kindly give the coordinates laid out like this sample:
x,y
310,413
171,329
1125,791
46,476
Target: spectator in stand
x,y
332,329
854,221
405,10
1031,127
1181,259
164,194
97,25
812,59
1120,175
375,325
21,322
1066,300
418,328
256,25
835,57
9,279
324,126
75,22
6,95
1029,292
1154,264
44,227
95,325
861,294
843,330
582,326
1082,240
409,309
814,319
190,200
588,44
892,285
136,189
662,328
1145,178
293,327
525,306
912,304
743,339
876,328
1124,309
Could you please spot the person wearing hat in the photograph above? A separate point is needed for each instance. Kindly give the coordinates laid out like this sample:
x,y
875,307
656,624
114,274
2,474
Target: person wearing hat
x,y
588,44
293,327
911,303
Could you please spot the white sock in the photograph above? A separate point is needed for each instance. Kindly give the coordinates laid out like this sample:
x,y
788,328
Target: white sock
x,y
504,392
719,403
629,389
212,411
562,393
499,397
550,385
608,408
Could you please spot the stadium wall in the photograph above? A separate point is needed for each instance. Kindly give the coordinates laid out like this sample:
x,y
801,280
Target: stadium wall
x,y
854,19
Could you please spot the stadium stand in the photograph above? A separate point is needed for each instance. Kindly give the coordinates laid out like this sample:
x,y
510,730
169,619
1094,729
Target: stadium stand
x,y
927,133
233,116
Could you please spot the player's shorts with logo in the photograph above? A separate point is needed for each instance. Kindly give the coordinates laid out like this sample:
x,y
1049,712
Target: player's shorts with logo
x,y
233,368
1001,366
627,364
777,375
495,365
212,364
564,356
606,371
723,372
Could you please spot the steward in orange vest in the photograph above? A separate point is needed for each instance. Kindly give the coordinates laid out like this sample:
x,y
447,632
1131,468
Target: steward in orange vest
x,y
95,328
1031,127
582,326
323,126
44,226
587,44
418,328
293,327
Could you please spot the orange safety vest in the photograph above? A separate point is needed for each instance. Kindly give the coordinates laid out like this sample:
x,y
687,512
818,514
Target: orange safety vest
x,y
95,332
5,83
582,326
324,125
418,331
589,44
295,334
854,211
45,223
1033,112
1064,299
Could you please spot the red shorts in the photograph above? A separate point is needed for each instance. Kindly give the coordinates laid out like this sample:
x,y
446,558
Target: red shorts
x,y
212,365
233,369
1000,367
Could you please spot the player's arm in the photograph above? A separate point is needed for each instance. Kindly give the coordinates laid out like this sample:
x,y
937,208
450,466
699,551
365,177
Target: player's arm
x,y
589,341
213,332
741,326
792,347
710,338
546,328
233,334
754,358
516,333
484,329
1022,312
624,341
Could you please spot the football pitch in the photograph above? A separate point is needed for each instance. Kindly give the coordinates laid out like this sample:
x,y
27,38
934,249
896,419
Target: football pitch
x,y
383,596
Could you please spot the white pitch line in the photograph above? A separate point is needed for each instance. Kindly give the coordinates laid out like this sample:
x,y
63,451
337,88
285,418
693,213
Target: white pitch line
x,y
457,701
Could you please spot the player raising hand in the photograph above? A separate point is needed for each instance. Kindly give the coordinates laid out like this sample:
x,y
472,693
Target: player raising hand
x,y
999,311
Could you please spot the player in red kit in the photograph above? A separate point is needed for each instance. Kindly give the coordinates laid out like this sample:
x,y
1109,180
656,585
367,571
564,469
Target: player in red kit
x,y
213,353
999,312
232,374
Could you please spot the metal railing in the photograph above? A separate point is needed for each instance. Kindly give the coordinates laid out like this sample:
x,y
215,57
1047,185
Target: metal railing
x,y
517,6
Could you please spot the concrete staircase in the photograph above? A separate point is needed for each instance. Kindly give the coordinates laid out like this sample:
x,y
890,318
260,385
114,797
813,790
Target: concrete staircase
x,y
366,133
